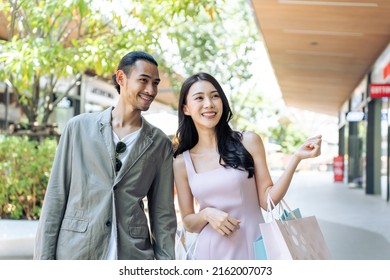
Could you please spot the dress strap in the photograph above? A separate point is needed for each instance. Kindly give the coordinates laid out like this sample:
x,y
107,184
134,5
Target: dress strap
x,y
188,162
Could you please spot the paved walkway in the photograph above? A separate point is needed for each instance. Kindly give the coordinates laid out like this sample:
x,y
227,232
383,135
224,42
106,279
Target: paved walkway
x,y
17,239
356,226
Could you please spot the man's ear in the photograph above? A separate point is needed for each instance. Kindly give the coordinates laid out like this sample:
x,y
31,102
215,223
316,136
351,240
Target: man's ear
x,y
120,77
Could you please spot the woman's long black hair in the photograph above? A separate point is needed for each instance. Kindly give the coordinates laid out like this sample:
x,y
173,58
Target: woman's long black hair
x,y
232,152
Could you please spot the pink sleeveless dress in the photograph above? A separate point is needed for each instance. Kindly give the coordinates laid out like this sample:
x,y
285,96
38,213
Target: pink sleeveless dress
x,y
229,190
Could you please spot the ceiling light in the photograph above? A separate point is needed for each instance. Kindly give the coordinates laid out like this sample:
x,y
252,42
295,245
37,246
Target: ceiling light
x,y
315,67
328,3
355,116
319,53
318,67
318,32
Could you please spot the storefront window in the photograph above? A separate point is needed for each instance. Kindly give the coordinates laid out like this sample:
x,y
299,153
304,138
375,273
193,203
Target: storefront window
x,y
384,147
362,150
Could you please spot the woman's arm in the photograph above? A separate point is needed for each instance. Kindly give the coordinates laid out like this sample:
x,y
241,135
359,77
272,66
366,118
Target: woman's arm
x,y
253,143
220,221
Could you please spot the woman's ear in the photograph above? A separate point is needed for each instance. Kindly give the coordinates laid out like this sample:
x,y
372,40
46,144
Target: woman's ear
x,y
185,110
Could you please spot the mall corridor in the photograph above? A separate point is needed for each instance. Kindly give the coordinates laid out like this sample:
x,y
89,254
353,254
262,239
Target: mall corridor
x,y
356,226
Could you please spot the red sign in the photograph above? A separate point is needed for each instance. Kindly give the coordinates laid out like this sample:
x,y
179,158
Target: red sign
x,y
338,168
386,71
379,90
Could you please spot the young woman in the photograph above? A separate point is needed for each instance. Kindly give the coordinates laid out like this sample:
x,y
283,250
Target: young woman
x,y
225,171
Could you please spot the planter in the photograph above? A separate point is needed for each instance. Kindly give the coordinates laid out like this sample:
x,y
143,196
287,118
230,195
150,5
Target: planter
x,y
17,239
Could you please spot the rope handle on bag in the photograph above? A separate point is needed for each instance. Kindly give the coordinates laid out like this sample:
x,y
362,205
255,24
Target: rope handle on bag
x,y
269,208
180,236
195,242
288,209
282,206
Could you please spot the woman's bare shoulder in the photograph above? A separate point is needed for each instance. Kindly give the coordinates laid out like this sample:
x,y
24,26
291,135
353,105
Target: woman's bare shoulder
x,y
250,137
178,161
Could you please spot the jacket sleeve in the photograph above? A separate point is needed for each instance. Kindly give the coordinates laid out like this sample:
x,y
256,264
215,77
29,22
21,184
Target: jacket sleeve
x,y
55,200
162,212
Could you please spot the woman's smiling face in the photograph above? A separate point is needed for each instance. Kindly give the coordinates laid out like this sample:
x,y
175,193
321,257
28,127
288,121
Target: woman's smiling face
x,y
203,104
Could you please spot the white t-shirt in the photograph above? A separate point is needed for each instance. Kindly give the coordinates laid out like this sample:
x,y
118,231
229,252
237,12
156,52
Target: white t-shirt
x,y
129,140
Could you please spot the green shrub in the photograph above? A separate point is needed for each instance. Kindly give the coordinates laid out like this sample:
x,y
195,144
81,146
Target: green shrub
x,y
24,173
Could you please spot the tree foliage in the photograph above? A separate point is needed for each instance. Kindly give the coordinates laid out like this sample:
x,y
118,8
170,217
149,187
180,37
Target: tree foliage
x,y
50,40
24,173
47,41
288,135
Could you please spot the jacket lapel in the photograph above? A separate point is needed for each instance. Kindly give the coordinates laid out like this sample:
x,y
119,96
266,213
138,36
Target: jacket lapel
x,y
106,132
140,146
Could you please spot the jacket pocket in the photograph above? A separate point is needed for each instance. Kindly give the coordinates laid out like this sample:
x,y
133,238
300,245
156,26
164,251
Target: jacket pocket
x,y
139,231
74,225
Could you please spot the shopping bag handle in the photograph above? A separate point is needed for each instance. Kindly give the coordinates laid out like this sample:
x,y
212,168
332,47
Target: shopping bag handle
x,y
282,206
286,207
194,243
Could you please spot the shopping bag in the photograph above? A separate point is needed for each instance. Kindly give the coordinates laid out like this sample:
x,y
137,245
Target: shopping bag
x,y
185,244
259,249
294,238
258,244
289,215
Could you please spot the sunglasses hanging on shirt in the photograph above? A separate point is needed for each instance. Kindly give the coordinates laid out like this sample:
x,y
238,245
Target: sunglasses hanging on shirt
x,y
119,149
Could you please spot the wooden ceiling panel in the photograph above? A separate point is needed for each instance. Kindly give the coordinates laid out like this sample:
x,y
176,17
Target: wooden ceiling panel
x,y
320,50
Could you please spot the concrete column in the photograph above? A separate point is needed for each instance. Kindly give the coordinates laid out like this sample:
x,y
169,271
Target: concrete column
x,y
342,141
374,141
354,151
388,161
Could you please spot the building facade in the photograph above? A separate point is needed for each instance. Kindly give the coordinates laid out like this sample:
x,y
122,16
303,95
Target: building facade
x,y
364,126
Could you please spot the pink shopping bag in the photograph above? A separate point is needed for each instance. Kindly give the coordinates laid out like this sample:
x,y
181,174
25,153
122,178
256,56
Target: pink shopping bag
x,y
294,239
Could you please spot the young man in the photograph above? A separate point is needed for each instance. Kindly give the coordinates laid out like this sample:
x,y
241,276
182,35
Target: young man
x,y
106,164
